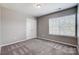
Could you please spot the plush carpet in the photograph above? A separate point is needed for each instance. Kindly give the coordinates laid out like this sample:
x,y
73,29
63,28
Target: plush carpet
x,y
37,47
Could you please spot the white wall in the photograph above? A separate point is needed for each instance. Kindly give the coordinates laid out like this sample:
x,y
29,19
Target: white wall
x,y
31,28
13,26
16,27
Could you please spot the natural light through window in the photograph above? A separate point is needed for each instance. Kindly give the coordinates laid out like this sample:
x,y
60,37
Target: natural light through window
x,y
64,25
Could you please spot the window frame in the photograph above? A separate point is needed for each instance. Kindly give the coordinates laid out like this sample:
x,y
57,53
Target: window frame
x,y
64,34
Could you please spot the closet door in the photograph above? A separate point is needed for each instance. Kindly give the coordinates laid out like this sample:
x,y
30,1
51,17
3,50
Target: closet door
x,y
31,28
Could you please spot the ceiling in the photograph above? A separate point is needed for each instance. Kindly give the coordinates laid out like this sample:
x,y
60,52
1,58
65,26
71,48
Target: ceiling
x,y
31,10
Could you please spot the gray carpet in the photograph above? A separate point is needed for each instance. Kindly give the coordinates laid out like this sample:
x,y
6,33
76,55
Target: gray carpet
x,y
37,47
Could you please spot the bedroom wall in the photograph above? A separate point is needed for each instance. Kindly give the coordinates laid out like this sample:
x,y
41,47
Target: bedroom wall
x,y
0,26
14,26
0,30
78,27
43,27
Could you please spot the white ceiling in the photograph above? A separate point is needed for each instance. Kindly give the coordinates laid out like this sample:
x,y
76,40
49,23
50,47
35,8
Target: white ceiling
x,y
30,10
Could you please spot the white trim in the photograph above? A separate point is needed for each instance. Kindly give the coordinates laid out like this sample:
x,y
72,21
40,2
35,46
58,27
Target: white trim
x,y
58,42
14,42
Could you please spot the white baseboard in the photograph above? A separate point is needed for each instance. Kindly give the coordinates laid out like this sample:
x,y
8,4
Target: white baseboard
x,y
58,42
14,42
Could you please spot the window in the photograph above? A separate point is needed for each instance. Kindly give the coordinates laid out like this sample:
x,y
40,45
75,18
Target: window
x,y
64,25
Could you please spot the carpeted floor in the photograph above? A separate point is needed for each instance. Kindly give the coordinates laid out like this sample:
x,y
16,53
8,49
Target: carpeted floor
x,y
37,47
